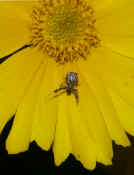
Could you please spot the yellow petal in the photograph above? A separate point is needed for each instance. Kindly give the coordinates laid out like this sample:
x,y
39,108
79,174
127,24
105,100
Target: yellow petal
x,y
69,119
116,22
14,25
19,137
125,112
83,147
94,118
44,124
101,7
49,124
116,27
120,73
102,159
62,144
116,72
104,103
14,80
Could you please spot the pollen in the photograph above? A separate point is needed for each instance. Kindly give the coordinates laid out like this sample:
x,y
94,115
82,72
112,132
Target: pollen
x,y
64,29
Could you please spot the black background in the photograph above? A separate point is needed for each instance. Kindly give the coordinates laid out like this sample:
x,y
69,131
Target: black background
x,y
37,161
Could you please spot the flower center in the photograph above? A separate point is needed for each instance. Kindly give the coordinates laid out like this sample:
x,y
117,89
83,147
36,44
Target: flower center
x,y
64,29
64,26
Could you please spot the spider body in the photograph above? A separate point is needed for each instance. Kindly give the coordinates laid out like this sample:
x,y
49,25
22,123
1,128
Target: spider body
x,y
71,82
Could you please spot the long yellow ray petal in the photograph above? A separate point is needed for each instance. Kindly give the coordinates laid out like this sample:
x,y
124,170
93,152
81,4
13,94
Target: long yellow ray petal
x,y
117,73
43,129
14,80
105,104
13,26
62,144
116,28
100,7
19,137
85,113
94,118
76,134
125,112
116,21
116,70
83,145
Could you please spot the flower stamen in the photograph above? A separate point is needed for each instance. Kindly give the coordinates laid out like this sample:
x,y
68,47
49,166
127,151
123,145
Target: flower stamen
x,y
64,30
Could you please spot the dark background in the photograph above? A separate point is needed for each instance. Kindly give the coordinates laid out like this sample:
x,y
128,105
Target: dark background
x,y
37,161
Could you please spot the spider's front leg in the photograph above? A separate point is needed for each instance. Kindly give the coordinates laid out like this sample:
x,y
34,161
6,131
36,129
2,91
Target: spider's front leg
x,y
59,89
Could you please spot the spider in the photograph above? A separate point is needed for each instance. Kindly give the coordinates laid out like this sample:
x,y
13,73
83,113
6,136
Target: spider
x,y
71,82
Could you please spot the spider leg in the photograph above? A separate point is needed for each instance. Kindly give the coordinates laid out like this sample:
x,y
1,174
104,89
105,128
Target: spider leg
x,y
57,95
59,89
75,92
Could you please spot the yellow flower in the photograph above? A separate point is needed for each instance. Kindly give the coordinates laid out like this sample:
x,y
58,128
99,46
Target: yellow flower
x,y
48,42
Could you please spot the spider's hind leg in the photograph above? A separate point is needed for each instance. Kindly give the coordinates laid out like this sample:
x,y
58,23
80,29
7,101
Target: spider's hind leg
x,y
75,92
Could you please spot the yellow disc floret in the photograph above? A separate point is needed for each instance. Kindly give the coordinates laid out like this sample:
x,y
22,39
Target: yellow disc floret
x,y
64,29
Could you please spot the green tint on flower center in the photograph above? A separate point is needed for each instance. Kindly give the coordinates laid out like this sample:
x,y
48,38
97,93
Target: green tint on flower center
x,y
64,26
64,30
